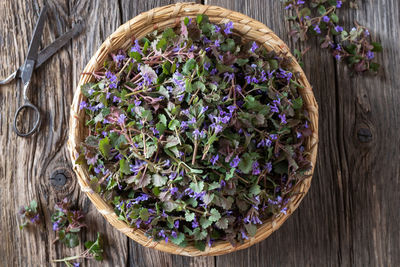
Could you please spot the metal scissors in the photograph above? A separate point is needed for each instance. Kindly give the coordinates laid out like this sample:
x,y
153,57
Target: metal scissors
x,y
33,61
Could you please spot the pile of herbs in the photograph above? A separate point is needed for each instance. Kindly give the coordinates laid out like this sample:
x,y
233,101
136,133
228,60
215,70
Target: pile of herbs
x,y
194,134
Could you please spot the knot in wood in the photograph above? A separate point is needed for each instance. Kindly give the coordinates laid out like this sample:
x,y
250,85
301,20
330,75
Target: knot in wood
x,y
364,135
59,177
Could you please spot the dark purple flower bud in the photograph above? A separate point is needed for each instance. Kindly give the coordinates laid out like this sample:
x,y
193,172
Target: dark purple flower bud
x,y
222,183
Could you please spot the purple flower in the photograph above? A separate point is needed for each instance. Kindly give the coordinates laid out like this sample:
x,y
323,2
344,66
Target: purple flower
x,y
111,76
173,175
76,264
176,224
274,108
119,156
213,71
138,222
248,79
244,236
300,2
298,135
120,57
121,119
317,29
268,166
207,65
283,118
90,91
217,28
338,4
203,109
288,6
235,162
173,234
222,183
116,99
214,159
97,169
273,136
228,27
370,55
55,226
195,224
325,19
196,134
217,43
137,102
231,108
230,76
254,46
366,32
337,56
338,28
184,125
136,47
256,168
82,105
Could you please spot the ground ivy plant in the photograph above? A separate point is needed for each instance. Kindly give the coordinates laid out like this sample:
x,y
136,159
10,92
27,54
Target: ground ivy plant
x,y
195,135
319,18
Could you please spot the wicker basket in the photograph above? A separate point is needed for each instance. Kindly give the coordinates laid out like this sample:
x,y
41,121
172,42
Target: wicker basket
x,y
170,16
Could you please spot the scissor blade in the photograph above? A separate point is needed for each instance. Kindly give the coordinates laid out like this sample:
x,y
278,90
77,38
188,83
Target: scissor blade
x,y
51,49
37,35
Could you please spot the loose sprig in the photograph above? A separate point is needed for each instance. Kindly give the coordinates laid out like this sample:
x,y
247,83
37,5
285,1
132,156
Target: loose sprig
x,y
94,250
318,18
67,223
29,214
195,135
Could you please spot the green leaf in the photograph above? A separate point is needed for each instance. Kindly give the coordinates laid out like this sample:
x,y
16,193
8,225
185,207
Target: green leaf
x,y
334,18
374,66
213,185
197,187
245,164
186,21
189,216
166,67
229,45
173,124
179,238
105,147
189,66
86,87
172,141
222,223
71,240
205,223
124,166
215,215
168,33
305,12
199,18
161,127
159,180
230,174
150,151
136,56
254,190
297,103
377,47
144,214
146,115
321,10
200,245
162,44
33,205
251,229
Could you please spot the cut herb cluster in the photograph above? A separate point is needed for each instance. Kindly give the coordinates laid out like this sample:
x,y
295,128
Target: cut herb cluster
x,y
195,135
319,18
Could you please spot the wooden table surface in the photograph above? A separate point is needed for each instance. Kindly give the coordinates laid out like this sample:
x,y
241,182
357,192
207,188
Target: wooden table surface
x,y
351,215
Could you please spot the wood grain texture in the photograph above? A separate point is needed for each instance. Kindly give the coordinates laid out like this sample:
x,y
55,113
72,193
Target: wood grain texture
x,y
350,215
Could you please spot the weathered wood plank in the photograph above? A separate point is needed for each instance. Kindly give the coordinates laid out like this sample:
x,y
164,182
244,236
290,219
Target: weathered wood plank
x,y
369,164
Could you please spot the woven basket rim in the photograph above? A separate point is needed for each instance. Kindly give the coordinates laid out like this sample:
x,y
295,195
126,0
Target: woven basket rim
x,y
170,16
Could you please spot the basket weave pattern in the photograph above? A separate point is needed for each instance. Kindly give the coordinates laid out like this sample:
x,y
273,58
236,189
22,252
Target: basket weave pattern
x,y
171,16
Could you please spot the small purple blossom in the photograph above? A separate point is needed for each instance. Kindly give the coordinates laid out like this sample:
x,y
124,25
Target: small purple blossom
x,y
228,27
370,55
217,43
283,118
235,162
136,47
254,46
176,224
325,19
116,99
83,105
137,102
214,159
217,28
338,28
338,4
268,166
317,29
256,168
121,119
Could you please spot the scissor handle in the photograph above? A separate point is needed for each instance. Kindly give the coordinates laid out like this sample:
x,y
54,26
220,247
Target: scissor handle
x,y
27,105
9,78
